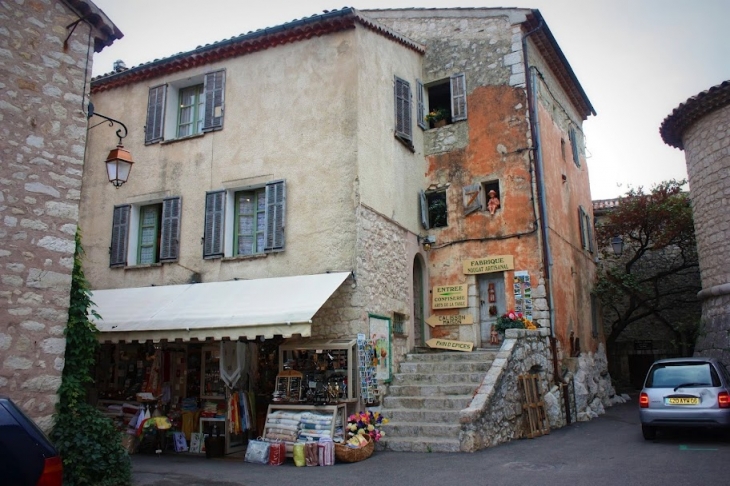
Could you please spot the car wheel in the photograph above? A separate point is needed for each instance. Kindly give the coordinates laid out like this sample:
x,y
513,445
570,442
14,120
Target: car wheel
x,y
648,432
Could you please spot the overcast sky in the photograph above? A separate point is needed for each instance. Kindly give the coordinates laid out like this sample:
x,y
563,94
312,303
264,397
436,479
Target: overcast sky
x,y
637,60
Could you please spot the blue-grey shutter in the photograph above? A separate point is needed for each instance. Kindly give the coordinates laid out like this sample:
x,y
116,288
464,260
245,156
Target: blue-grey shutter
x,y
574,146
424,209
582,222
403,127
589,227
458,97
120,232
275,212
153,131
420,105
170,231
215,84
215,203
472,198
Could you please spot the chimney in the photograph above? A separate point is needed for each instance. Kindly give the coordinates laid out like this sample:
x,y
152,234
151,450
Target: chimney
x,y
119,66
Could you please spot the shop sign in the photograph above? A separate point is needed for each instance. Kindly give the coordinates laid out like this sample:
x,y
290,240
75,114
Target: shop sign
x,y
450,320
450,345
449,296
494,263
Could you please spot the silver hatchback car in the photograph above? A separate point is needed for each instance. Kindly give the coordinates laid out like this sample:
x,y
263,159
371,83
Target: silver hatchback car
x,y
685,392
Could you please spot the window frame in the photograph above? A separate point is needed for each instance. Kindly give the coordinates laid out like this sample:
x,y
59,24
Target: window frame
x,y
586,230
430,198
457,99
219,230
256,193
156,224
198,109
163,106
126,226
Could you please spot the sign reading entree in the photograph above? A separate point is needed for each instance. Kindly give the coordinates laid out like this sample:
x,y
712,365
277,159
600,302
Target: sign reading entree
x,y
449,296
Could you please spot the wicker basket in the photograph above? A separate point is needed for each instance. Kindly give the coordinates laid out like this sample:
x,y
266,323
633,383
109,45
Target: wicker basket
x,y
348,454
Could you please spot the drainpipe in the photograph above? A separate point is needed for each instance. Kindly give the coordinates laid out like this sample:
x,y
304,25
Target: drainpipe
x,y
531,85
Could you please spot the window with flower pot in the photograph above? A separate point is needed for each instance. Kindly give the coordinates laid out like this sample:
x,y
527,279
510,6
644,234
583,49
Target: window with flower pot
x,y
186,107
433,209
442,102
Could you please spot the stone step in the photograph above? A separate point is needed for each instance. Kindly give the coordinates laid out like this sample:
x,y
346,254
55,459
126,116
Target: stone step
x,y
423,430
416,444
455,402
436,378
423,416
432,390
441,367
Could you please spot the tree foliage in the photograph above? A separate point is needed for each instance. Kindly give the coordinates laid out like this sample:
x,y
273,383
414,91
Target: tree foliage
x,y
88,442
657,275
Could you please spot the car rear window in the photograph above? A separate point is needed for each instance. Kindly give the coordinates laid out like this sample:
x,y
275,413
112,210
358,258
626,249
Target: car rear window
x,y
672,375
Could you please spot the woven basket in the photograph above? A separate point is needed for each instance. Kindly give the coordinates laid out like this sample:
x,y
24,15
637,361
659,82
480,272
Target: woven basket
x,y
348,454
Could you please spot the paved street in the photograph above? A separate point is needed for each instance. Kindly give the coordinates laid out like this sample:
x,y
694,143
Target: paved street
x,y
607,451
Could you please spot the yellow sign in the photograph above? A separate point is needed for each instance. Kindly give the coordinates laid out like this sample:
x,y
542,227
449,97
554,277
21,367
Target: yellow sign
x,y
451,345
450,320
494,263
449,296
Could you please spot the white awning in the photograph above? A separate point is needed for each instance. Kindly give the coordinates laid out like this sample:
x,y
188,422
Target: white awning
x,y
268,307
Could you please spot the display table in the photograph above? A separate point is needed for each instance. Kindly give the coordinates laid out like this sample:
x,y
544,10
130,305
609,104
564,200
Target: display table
x,y
337,413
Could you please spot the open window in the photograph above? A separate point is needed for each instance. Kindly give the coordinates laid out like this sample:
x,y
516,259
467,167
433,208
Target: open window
x,y
433,209
442,102
246,221
185,107
481,196
144,234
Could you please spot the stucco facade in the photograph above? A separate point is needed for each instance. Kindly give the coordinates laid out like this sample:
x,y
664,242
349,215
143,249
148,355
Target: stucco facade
x,y
45,70
495,147
700,127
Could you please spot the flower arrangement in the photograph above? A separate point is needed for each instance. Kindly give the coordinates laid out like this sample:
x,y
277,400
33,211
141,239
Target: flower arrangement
x,y
368,422
437,114
513,320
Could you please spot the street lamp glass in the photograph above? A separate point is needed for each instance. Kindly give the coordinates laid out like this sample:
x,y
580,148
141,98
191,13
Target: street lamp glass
x,y
617,243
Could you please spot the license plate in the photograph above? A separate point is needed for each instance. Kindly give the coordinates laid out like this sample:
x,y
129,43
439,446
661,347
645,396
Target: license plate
x,y
683,401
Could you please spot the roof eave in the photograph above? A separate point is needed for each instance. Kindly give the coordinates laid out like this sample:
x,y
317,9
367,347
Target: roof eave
x,y
546,43
106,32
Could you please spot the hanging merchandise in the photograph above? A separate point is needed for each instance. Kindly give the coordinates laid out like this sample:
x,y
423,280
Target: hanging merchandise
x,y
365,354
232,361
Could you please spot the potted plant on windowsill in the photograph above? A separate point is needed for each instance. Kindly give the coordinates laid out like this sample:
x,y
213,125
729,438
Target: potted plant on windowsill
x,y
437,117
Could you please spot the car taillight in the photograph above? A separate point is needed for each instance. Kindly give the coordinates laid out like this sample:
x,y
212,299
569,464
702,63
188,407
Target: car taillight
x,y
52,472
723,399
643,400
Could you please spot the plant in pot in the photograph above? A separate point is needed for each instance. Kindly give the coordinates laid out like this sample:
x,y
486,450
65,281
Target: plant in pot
x,y
513,320
437,117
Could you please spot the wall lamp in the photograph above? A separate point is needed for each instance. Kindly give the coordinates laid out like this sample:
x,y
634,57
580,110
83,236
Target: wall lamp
x,y
427,241
119,161
617,243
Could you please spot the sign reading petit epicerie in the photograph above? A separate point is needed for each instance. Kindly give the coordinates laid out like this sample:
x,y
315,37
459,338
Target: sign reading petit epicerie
x,y
494,263
449,296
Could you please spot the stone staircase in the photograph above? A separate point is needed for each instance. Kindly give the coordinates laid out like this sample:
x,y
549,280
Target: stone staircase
x,y
425,397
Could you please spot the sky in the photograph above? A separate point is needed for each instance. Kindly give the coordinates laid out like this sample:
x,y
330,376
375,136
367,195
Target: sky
x,y
637,60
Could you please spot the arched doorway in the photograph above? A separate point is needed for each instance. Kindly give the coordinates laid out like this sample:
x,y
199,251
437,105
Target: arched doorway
x,y
419,301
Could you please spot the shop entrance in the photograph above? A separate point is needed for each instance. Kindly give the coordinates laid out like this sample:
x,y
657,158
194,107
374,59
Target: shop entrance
x,y
418,302
492,302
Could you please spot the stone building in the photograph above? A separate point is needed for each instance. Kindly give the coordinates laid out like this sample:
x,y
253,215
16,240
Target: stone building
x,y
303,156
47,48
701,127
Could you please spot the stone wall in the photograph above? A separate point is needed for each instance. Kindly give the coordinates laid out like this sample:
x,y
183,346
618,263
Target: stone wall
x,y
495,413
42,139
707,151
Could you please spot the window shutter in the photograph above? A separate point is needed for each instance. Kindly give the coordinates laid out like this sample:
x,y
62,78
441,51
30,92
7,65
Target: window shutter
x,y
403,127
120,232
275,211
170,233
574,147
589,227
472,199
215,84
458,97
421,105
582,222
214,214
153,131
424,209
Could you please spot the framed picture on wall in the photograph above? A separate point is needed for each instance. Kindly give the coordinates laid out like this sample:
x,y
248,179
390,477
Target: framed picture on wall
x,y
380,336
